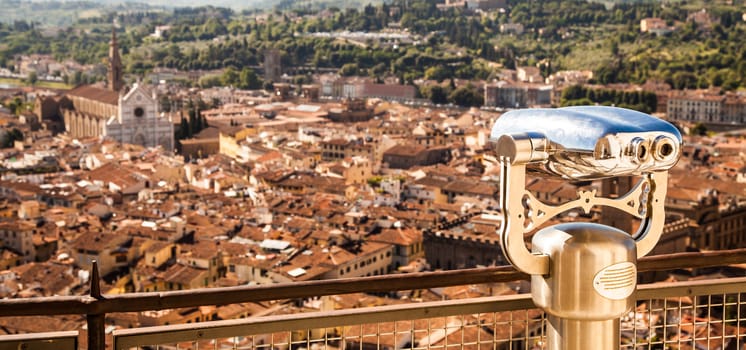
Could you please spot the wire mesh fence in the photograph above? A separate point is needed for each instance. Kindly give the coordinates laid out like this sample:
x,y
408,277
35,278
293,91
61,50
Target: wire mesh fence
x,y
694,315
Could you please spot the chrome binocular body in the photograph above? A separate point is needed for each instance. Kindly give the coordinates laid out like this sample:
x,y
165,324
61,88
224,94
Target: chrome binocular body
x,y
588,142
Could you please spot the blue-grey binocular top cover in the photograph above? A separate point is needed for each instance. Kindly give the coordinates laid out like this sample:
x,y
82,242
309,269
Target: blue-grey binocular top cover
x,y
587,142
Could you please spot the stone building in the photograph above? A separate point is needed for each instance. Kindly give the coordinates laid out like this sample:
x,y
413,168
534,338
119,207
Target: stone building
x,y
467,242
340,149
709,107
125,114
517,95
408,155
272,65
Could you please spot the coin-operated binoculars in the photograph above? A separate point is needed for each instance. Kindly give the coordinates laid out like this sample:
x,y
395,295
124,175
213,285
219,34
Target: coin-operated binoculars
x,y
583,275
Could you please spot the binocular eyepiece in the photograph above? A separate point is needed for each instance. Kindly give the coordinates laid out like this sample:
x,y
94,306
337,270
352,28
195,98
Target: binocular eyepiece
x,y
588,142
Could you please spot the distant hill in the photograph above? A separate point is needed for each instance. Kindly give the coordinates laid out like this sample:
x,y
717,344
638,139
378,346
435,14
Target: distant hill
x,y
234,4
55,13
65,12
61,13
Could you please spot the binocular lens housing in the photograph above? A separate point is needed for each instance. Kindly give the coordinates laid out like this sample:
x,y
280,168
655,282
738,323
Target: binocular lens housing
x,y
587,142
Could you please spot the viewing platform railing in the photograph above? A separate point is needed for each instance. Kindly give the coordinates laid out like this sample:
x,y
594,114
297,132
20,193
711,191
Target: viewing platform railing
x,y
679,315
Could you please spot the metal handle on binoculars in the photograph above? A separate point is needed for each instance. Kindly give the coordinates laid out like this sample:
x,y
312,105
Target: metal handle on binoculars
x,y
523,212
581,143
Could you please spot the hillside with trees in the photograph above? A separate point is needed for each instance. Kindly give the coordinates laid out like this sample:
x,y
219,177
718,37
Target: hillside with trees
x,y
453,43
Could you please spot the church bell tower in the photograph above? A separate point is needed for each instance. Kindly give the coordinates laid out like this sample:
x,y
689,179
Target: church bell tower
x,y
115,63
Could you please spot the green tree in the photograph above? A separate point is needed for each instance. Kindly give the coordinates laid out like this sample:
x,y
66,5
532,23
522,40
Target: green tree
x,y
248,79
230,77
438,94
209,81
212,28
698,129
10,138
78,78
349,69
164,103
438,73
684,80
467,96
33,78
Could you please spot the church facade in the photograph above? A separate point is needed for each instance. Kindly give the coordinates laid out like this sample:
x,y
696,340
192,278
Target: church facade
x,y
125,114
138,122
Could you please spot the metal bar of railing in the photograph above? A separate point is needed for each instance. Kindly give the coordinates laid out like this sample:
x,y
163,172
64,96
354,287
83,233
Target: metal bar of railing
x,y
136,337
127,338
84,305
96,322
95,306
691,288
40,341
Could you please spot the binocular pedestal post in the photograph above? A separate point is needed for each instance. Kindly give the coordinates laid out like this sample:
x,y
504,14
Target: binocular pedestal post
x,y
564,334
591,282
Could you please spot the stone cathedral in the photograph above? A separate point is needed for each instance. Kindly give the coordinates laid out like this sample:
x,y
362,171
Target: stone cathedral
x,y
125,114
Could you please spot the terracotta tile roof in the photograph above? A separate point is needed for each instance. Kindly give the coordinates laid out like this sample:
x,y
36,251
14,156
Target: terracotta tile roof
x,y
408,150
336,256
471,187
17,225
227,312
98,241
299,223
22,189
95,93
337,142
36,324
52,279
311,272
252,233
431,181
200,250
402,91
6,254
398,236
698,183
155,246
679,193
117,174
273,155
233,249
182,274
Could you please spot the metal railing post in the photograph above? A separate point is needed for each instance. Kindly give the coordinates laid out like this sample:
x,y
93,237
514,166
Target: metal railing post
x,y
96,322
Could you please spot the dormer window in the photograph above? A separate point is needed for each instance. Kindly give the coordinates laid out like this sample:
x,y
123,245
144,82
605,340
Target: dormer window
x,y
139,112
